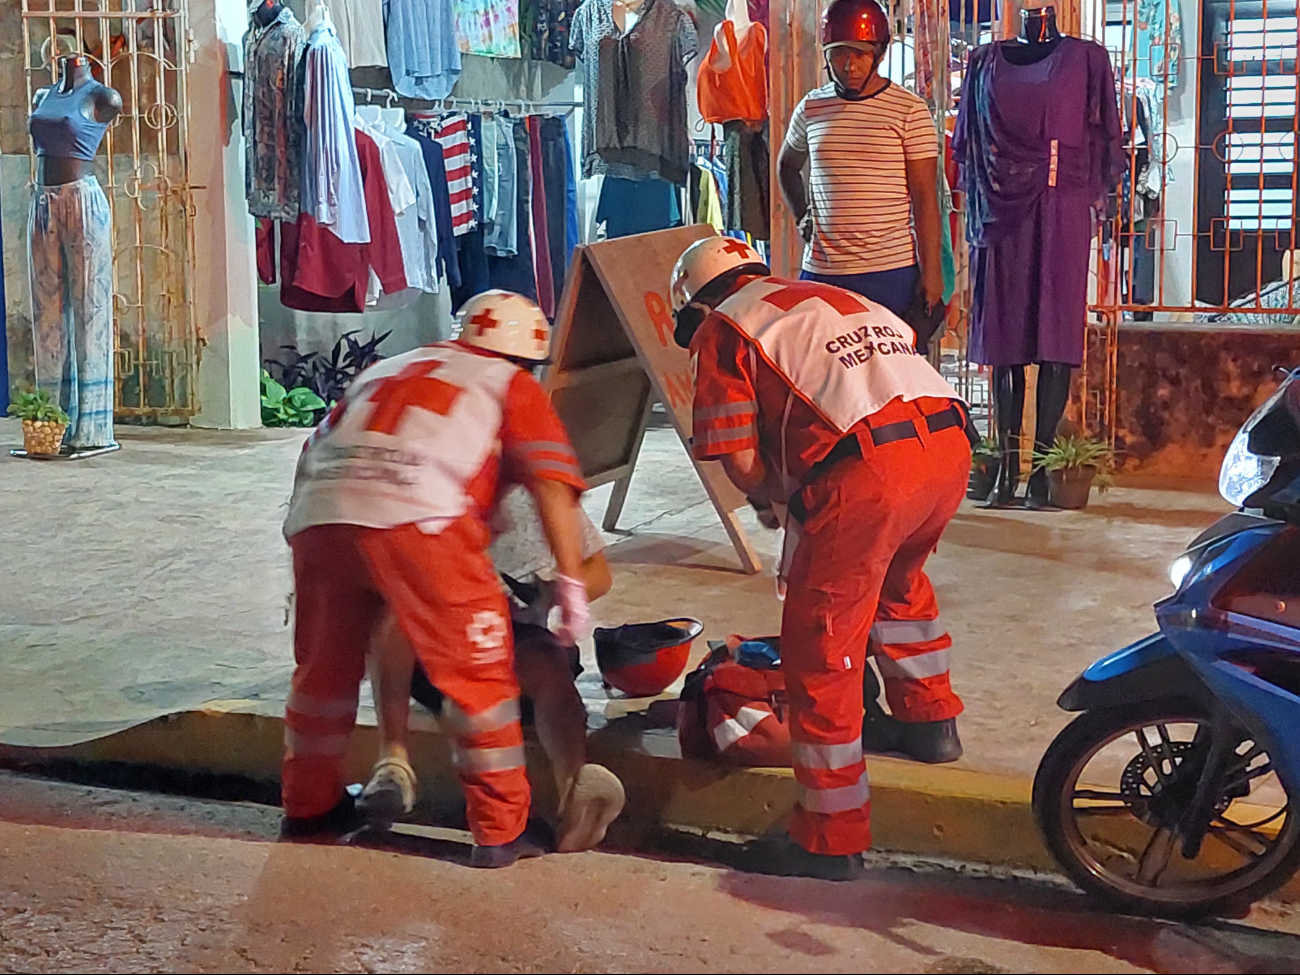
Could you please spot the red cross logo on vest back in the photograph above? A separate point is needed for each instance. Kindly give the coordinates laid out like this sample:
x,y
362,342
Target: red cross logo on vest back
x,y
797,292
414,386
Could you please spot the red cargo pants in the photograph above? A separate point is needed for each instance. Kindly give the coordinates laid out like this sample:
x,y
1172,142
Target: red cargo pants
x,y
448,601
859,570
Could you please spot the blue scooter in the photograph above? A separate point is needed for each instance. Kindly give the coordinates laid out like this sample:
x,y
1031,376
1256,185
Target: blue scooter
x,y
1170,794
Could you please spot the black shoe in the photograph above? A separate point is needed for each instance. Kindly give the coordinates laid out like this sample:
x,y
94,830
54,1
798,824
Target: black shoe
x,y
783,857
1038,493
932,742
339,821
537,839
881,733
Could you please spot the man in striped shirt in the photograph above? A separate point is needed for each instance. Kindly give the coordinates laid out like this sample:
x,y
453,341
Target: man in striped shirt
x,y
872,153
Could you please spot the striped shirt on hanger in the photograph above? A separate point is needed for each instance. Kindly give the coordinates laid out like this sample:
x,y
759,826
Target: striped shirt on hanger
x,y
858,151
452,133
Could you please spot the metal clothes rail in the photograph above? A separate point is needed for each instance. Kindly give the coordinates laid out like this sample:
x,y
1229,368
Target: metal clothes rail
x,y
477,106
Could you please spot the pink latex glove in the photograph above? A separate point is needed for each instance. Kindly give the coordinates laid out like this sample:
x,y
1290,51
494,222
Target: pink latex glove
x,y
571,596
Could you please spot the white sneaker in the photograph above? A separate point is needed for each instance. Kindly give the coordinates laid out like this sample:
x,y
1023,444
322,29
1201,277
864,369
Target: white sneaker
x,y
593,801
390,793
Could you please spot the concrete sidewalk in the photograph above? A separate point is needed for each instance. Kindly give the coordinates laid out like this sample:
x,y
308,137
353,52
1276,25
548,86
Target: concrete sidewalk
x,y
154,581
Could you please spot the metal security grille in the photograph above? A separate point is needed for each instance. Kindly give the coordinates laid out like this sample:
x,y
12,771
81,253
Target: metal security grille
x,y
142,48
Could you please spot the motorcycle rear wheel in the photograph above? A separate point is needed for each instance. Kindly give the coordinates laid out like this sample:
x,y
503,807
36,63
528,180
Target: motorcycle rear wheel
x,y
1118,842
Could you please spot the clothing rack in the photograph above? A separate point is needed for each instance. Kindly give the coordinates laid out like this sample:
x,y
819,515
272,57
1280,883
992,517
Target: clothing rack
x,y
476,106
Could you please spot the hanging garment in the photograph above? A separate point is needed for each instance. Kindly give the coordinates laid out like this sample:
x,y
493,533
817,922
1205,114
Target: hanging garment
x,y
640,108
60,126
1039,148
360,28
516,273
649,101
319,272
572,237
272,116
70,258
545,26
489,28
416,225
501,238
332,190
452,132
423,54
401,194
1159,41
437,173
732,82
748,179
709,207
541,232
470,252
490,164
555,179
637,206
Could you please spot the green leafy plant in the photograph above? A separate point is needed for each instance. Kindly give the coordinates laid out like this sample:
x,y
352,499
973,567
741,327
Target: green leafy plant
x,y
289,407
985,453
36,405
1079,453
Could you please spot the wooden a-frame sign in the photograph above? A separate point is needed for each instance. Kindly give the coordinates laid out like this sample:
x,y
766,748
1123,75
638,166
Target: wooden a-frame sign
x,y
614,357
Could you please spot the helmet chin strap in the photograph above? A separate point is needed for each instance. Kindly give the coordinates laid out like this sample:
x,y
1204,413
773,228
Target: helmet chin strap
x,y
851,94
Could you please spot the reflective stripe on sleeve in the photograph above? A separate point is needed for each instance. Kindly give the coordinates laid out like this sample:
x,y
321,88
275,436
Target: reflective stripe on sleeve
x,y
732,730
908,631
828,757
478,760
493,719
915,668
830,801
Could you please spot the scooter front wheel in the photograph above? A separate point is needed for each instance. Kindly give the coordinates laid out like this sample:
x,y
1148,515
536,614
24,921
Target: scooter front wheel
x,y
1111,799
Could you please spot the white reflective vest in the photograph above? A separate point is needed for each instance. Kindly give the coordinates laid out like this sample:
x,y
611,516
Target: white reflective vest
x,y
845,356
413,433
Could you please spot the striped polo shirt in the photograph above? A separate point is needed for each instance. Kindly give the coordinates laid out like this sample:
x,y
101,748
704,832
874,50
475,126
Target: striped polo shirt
x,y
857,154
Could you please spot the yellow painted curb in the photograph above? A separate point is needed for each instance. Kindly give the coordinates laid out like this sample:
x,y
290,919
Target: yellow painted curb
x,y
928,811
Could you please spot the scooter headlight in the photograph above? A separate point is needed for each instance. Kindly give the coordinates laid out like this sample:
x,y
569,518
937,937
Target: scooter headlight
x,y
1178,571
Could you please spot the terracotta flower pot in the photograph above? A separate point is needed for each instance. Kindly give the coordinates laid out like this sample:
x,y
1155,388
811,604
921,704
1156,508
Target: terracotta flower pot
x,y
43,436
1071,486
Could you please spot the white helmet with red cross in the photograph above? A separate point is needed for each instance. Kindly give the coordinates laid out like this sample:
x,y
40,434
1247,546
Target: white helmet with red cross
x,y
707,260
505,323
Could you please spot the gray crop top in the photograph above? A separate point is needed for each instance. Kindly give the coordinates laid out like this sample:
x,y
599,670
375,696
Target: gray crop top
x,y
60,128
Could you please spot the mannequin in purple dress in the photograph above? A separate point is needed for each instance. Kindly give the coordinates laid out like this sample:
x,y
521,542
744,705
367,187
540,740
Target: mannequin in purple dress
x,y
1039,37
1038,143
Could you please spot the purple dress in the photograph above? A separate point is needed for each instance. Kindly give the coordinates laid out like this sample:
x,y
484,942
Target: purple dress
x,y
1038,148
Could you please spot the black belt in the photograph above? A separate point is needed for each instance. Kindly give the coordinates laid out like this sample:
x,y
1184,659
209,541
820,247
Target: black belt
x,y
953,416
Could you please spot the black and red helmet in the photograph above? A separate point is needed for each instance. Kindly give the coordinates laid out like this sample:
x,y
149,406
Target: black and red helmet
x,y
643,659
854,22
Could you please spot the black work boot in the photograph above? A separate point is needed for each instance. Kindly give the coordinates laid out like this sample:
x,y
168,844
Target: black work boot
x,y
1038,492
780,856
932,742
536,840
881,731
327,827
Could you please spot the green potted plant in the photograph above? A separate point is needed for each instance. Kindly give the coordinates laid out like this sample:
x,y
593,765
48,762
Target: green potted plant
x,y
298,407
1074,465
983,469
44,422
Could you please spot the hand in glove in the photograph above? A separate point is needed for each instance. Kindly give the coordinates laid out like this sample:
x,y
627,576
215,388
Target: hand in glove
x,y
571,596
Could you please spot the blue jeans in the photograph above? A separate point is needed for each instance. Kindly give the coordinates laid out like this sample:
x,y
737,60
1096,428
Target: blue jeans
x,y
894,289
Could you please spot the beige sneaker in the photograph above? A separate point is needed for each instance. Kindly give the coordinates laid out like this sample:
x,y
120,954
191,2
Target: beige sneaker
x,y
594,800
390,793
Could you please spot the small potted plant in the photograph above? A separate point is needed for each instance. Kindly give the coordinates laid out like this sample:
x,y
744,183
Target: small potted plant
x,y
984,460
1074,465
44,422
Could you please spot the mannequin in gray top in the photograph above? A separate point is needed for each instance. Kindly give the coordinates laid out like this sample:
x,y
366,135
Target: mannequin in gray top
x,y
71,255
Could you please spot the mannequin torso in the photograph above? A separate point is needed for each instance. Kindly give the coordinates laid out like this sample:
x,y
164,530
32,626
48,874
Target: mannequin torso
x,y
102,105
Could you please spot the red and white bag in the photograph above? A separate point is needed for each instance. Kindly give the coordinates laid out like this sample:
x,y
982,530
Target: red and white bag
x,y
733,714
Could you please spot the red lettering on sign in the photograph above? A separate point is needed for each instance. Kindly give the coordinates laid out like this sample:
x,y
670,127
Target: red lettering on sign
x,y
414,386
662,318
796,293
680,390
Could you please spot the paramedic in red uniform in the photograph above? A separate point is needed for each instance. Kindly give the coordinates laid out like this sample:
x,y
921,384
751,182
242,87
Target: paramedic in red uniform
x,y
814,398
390,509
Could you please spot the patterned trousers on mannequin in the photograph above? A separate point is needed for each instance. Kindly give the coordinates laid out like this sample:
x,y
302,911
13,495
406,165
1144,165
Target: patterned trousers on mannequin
x,y
71,266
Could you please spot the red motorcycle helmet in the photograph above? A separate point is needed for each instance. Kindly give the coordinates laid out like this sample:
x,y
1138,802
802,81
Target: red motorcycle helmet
x,y
643,659
854,22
